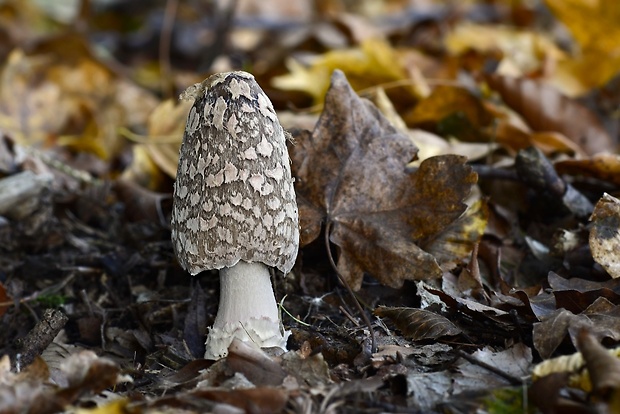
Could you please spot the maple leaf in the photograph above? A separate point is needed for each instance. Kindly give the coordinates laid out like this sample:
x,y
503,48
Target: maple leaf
x,y
351,173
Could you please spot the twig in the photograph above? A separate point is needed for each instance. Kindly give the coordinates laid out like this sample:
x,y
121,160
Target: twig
x,y
164,47
489,172
43,333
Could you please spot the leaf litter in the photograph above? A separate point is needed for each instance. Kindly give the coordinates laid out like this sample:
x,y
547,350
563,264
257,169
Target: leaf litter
x,y
471,204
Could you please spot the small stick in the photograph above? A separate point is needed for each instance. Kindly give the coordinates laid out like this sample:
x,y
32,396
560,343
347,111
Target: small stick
x,y
43,333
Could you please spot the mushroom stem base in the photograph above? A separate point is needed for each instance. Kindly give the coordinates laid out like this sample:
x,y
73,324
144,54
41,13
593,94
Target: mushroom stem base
x,y
247,311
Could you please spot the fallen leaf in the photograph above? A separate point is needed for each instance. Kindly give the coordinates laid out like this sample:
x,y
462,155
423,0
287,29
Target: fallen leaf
x,y
309,370
553,329
604,369
165,127
451,110
603,166
80,374
118,406
535,50
605,234
254,363
431,145
4,298
351,173
572,364
456,240
546,109
598,58
261,400
419,324
372,64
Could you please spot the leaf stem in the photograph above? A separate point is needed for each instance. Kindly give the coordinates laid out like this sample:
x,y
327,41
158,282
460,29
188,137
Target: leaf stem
x,y
373,346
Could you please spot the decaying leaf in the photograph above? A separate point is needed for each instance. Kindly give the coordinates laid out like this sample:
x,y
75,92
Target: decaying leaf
x,y
351,172
605,234
419,324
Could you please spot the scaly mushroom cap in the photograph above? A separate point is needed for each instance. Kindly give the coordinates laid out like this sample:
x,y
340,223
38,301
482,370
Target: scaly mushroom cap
x,y
233,196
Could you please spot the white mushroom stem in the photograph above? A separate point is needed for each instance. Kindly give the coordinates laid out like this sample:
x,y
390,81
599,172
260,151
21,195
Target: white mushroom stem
x,y
247,310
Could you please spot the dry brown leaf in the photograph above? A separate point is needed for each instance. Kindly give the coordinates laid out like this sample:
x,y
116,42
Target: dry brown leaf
x,y
260,400
31,391
254,364
549,334
603,166
419,324
4,298
451,110
511,131
604,369
546,109
605,234
351,173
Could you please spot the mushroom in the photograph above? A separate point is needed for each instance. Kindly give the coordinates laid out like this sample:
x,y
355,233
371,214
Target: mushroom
x,y
234,206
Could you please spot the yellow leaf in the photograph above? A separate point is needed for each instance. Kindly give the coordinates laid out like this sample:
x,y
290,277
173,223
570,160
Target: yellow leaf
x,y
372,64
114,407
524,52
573,364
594,26
159,151
590,69
166,126
593,23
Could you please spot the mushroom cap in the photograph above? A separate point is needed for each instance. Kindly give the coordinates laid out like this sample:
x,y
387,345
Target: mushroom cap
x,y
233,197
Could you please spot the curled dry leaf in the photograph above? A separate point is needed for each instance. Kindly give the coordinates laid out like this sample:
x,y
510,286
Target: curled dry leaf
x,y
572,364
546,109
604,369
419,324
351,172
605,234
603,166
166,125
